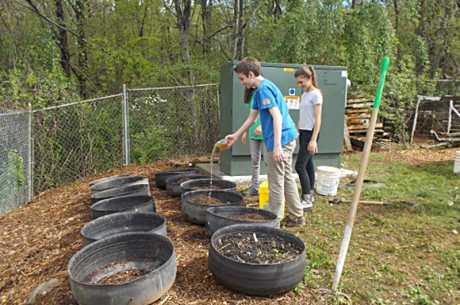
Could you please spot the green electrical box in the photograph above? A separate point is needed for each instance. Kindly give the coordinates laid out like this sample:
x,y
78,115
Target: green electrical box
x,y
332,82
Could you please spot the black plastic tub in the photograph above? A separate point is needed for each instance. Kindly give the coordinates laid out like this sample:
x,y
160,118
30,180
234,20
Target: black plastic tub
x,y
130,189
160,177
117,181
205,184
123,204
104,179
195,211
256,279
123,222
173,183
219,217
150,253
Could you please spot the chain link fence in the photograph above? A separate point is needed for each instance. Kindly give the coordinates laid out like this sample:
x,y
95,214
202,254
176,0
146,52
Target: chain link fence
x,y
15,159
44,148
76,140
167,122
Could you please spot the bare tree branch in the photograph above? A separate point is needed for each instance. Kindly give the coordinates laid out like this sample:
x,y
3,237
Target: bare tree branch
x,y
31,6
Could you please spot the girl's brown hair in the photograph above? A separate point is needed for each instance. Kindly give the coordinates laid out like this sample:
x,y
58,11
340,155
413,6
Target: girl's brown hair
x,y
308,72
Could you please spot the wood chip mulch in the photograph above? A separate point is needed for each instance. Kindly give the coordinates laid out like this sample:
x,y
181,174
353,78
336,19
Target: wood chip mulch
x,y
38,239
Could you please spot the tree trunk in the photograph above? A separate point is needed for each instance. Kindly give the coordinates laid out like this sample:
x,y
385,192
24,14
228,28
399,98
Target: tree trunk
x,y
144,17
183,10
206,10
62,39
275,10
82,71
396,10
238,29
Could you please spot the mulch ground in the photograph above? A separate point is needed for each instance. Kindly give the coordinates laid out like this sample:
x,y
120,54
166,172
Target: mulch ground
x,y
38,239
420,156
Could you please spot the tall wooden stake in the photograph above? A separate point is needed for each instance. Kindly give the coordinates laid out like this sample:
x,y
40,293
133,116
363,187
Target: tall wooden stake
x,y
359,181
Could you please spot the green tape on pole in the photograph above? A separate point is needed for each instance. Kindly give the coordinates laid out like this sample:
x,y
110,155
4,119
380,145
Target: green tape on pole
x,y
383,72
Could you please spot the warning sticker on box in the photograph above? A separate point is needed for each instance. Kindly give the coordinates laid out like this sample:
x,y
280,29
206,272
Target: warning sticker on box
x,y
292,101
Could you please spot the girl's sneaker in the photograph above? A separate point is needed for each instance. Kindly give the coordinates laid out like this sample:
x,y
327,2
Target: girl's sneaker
x,y
307,202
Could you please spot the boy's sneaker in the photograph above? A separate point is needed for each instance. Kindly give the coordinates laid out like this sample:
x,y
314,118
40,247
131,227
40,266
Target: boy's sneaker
x,y
292,221
253,191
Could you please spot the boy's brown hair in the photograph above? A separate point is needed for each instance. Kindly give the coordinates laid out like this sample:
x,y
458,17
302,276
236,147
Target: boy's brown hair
x,y
248,64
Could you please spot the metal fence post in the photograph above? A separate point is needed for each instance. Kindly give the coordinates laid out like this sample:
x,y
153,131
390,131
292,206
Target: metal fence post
x,y
125,126
30,180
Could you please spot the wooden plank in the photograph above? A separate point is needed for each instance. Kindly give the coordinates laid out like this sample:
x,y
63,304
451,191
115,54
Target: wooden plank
x,y
358,121
364,131
346,136
357,110
359,100
358,115
360,105
354,127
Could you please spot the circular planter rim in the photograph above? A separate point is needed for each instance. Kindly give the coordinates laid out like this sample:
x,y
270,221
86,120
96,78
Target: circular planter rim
x,y
248,226
94,206
208,179
214,212
119,235
207,191
103,179
118,214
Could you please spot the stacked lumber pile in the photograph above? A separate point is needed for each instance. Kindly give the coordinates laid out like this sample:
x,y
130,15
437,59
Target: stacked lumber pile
x,y
358,115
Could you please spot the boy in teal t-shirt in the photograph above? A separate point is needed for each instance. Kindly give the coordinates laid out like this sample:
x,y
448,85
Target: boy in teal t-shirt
x,y
279,132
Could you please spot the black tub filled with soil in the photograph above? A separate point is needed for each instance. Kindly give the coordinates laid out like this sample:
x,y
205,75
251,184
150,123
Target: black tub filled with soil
x,y
123,204
124,190
161,177
173,183
195,203
123,222
256,260
208,184
128,268
219,217
116,182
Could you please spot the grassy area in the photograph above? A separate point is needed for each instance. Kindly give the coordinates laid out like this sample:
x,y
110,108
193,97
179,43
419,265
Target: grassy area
x,y
398,254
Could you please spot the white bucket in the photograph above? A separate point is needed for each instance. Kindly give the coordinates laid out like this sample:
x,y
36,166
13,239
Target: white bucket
x,y
327,180
457,163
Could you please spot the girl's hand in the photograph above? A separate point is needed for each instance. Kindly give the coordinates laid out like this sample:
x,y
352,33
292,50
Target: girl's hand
x,y
312,147
258,131
244,137
278,155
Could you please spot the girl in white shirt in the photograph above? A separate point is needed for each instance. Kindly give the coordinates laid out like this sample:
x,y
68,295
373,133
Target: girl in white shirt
x,y
309,125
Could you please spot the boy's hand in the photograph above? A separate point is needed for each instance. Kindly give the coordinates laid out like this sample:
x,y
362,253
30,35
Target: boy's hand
x,y
258,131
278,155
231,139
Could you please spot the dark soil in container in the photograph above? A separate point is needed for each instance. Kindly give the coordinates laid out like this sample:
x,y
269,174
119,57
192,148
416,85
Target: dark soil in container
x,y
122,277
248,217
256,248
205,200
